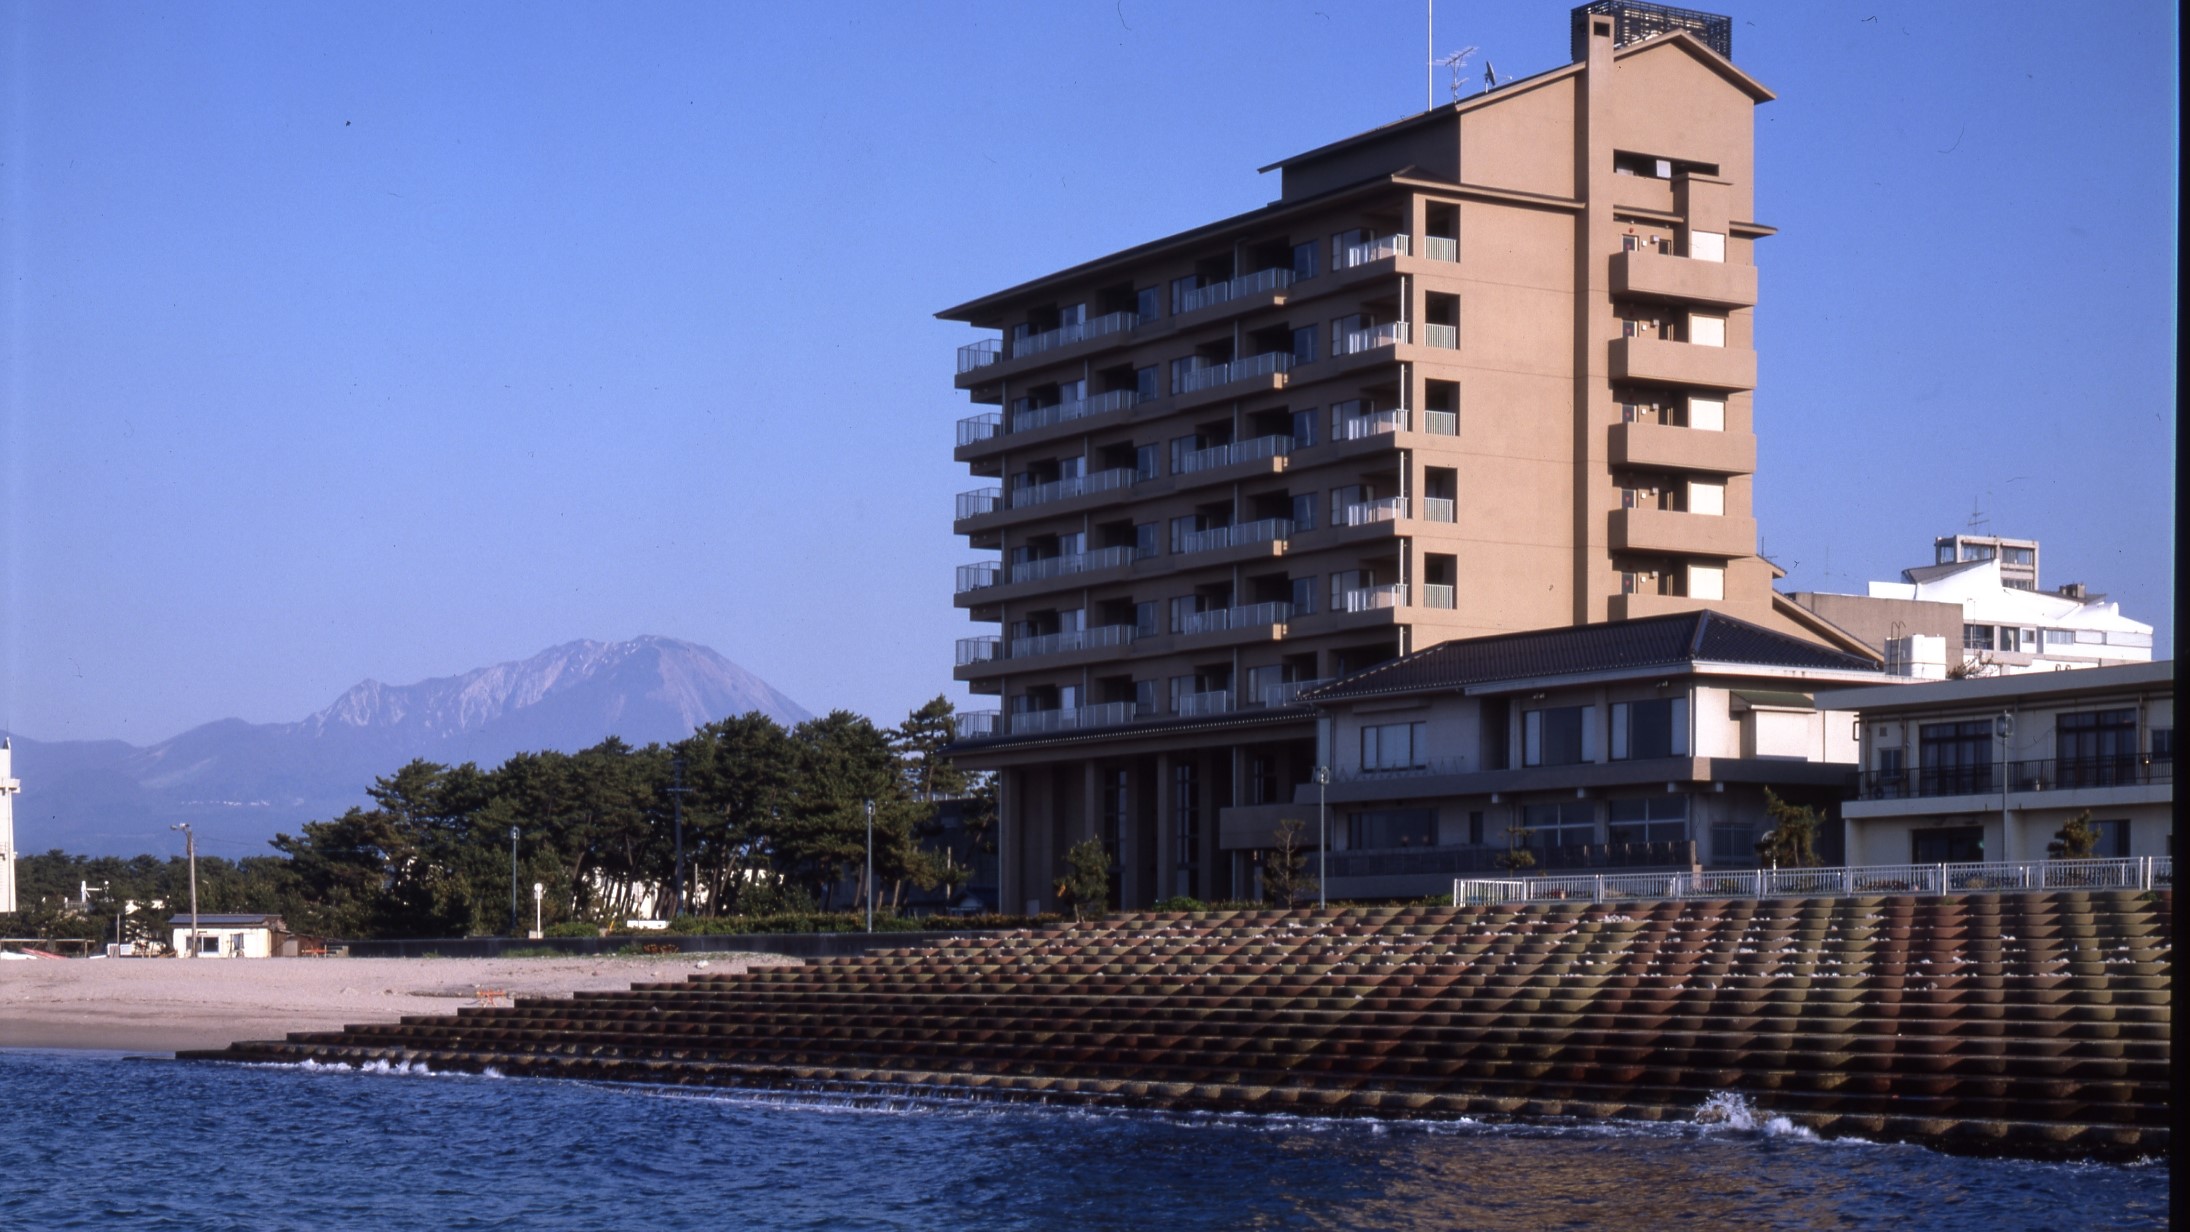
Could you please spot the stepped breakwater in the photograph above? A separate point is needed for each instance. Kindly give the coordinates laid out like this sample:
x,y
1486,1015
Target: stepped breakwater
x,y
2018,1024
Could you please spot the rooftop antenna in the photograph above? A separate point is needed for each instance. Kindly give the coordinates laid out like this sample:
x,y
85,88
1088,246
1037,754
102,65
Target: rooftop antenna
x,y
1978,520
1490,77
1457,61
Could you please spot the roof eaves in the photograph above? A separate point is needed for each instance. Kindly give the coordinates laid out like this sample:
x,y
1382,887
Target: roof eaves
x,y
1711,59
1422,117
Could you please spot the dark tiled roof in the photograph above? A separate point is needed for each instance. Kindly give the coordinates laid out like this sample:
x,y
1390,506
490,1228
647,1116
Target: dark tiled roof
x,y
207,919
1655,641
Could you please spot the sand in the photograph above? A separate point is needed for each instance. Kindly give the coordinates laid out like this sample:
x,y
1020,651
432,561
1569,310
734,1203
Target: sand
x,y
160,1005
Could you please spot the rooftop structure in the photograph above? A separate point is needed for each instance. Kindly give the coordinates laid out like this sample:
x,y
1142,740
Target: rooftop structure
x,y
2018,558
1484,369
9,786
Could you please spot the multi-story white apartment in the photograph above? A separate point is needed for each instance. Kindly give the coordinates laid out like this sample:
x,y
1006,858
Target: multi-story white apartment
x,y
1484,369
1990,769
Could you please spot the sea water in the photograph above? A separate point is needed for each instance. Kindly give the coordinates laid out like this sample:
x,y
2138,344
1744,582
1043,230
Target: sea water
x,y
99,1140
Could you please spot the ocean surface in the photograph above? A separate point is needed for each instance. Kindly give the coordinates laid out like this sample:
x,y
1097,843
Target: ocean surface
x,y
98,1140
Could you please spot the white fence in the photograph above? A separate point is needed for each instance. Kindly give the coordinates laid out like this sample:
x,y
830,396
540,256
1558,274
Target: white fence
x,y
2140,873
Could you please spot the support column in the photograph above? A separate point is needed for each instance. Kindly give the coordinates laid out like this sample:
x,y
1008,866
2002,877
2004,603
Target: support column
x,y
1167,831
1131,893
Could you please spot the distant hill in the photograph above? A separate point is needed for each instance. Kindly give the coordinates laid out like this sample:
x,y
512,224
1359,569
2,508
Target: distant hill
x,y
239,783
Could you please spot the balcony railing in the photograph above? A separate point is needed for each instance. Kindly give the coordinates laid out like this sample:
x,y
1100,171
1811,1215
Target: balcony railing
x,y
1439,248
1440,509
1217,701
1265,530
979,427
2135,873
1376,598
1382,509
1253,450
977,649
979,501
1371,423
1434,595
977,724
1355,341
1441,423
1446,337
1465,861
979,354
979,576
1107,714
1078,331
1253,615
1071,639
1071,486
1238,370
1079,408
1075,562
1194,299
1283,692
1371,250
2045,774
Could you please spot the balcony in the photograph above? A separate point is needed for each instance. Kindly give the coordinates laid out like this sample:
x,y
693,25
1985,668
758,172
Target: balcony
x,y
1035,418
1261,367
977,502
974,429
973,650
976,724
1374,598
1441,337
2019,777
1649,275
1217,701
1382,509
1370,251
975,356
1683,534
1441,423
1216,456
1440,596
1251,616
1069,640
1440,509
1662,447
1076,562
1078,331
1368,424
1034,722
1440,248
1243,287
1284,692
1658,362
1360,341
1444,863
1265,530
1071,486
978,576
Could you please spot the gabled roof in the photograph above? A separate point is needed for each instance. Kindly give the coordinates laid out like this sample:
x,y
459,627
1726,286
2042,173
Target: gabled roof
x,y
1679,640
207,919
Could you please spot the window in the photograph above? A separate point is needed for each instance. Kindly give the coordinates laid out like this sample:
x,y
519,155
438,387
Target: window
x,y
1893,774
1144,384
2113,839
1148,303
1976,637
2096,748
1567,823
1144,619
1304,595
1144,694
1558,737
1145,543
1707,581
1648,819
1261,779
1304,260
1475,828
1706,246
1707,497
1304,345
1304,429
1706,330
1180,287
1180,687
1394,746
1948,845
1955,758
1386,829
2163,744
1181,527
1186,815
1304,511
1707,414
2054,637
1647,729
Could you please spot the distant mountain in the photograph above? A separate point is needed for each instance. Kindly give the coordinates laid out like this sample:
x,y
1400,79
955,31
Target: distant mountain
x,y
239,783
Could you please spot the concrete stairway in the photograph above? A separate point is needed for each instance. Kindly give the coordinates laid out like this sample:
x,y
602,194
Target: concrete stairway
x,y
2028,1024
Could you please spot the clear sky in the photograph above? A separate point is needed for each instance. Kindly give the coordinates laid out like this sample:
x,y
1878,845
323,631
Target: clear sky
x,y
383,340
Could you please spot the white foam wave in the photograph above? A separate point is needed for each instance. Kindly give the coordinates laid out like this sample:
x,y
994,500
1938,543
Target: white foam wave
x,y
1730,1110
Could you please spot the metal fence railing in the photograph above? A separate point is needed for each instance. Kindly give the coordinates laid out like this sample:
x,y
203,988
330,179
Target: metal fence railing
x,y
2135,873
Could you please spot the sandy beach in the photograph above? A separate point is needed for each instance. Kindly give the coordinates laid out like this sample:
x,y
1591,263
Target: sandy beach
x,y
165,1004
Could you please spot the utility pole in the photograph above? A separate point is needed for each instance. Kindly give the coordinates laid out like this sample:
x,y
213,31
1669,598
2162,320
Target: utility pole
x,y
190,844
870,866
676,797
513,881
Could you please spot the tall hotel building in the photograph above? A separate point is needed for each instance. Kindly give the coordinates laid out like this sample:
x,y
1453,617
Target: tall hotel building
x,y
1485,369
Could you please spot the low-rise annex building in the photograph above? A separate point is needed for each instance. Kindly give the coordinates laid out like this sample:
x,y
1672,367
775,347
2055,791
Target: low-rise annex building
x,y
1627,745
232,935
1990,769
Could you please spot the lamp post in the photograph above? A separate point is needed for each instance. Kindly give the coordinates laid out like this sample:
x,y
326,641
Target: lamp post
x,y
1323,838
868,877
539,891
513,881
190,843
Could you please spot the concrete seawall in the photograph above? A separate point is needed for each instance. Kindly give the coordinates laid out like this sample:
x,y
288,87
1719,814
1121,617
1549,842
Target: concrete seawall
x,y
2023,1024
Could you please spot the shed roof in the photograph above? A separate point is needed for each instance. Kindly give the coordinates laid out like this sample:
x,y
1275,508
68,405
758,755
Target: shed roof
x,y
232,920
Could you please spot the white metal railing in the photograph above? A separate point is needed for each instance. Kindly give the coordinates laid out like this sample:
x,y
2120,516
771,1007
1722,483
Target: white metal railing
x,y
1071,639
1440,509
1376,598
978,576
1355,341
1217,620
2136,873
979,427
977,649
1217,701
976,724
1196,298
1435,595
1283,692
1206,540
1382,509
1263,530
1371,250
979,354
1106,714
1441,423
1238,370
1372,423
1252,450
1445,336
979,501
1071,486
1440,248
1079,408
1078,331
1074,562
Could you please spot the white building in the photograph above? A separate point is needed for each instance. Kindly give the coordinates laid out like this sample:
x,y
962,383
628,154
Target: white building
x,y
1990,769
231,936
8,787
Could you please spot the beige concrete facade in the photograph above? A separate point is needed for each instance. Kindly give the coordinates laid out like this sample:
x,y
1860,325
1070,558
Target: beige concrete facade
x,y
1486,369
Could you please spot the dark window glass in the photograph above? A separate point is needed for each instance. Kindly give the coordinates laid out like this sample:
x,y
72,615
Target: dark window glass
x,y
1955,758
1386,829
1149,303
1304,260
2095,748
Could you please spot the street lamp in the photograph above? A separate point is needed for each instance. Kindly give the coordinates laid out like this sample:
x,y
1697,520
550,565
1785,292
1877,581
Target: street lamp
x,y
1323,839
869,875
513,881
539,891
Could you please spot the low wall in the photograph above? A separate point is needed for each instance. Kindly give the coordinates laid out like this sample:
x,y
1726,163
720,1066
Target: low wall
x,y
795,945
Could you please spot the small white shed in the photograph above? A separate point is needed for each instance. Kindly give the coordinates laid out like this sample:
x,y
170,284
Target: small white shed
x,y
230,936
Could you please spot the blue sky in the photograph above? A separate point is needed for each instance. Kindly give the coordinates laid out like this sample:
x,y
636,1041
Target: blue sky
x,y
393,340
